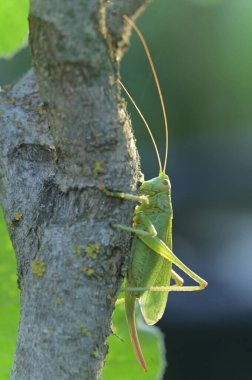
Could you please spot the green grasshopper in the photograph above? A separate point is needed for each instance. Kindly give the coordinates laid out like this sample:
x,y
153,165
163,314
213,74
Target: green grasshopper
x,y
150,267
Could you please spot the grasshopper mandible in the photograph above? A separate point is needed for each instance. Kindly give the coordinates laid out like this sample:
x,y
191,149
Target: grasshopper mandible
x,y
150,270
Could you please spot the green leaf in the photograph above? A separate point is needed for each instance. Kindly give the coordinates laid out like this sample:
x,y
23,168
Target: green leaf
x,y
13,25
9,301
121,362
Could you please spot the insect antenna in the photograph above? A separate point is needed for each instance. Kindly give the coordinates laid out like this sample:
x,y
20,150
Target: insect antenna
x,y
145,122
132,24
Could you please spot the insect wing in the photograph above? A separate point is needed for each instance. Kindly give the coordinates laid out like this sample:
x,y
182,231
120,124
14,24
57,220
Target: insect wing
x,y
153,303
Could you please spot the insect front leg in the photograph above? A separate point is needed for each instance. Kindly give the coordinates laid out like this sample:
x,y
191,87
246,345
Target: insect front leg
x,y
136,198
137,231
141,217
151,230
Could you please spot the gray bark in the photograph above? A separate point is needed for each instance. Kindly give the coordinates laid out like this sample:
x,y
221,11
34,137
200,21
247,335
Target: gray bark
x,y
64,130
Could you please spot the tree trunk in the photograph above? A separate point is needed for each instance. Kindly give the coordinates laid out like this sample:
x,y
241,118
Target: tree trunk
x,y
62,134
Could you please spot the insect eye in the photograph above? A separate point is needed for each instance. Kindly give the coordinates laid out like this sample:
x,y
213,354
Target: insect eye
x,y
165,182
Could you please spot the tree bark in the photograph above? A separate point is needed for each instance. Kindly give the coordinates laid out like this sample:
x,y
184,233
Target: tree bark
x,y
63,132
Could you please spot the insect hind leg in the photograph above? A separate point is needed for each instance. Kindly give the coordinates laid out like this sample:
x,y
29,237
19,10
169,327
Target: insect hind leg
x,y
163,250
172,288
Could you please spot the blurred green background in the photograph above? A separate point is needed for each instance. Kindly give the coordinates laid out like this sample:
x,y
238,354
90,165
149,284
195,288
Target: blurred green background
x,y
202,50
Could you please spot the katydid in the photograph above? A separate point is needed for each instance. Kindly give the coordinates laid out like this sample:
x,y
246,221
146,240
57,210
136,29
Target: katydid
x,y
150,269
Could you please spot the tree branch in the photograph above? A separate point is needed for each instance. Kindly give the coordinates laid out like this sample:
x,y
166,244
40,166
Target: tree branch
x,y
57,144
